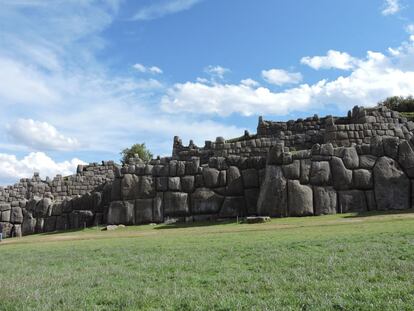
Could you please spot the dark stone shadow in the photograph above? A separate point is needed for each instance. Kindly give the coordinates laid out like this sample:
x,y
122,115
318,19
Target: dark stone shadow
x,y
196,224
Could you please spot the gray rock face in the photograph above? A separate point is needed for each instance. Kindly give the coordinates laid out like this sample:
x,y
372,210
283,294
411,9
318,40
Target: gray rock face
x,y
292,171
352,201
325,200
350,158
121,213
390,145
305,167
5,216
250,178
16,216
5,207
341,176
161,184
300,199
362,179
392,186
174,183
320,173
176,204
81,219
143,211
273,193
406,157
232,207
251,196
158,208
234,182
205,201
367,161
187,184
130,187
371,203
211,177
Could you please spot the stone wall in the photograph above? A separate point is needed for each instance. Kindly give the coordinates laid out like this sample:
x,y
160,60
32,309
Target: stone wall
x,y
361,162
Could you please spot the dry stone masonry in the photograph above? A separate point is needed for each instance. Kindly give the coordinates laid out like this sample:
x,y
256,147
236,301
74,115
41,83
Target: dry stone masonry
x,y
316,166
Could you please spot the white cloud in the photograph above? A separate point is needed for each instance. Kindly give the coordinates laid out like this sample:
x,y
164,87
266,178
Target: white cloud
x,y
280,77
40,136
216,71
143,69
333,59
12,168
391,7
373,79
249,82
163,8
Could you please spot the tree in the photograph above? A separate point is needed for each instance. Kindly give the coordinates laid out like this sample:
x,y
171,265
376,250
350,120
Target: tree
x,y
139,149
399,103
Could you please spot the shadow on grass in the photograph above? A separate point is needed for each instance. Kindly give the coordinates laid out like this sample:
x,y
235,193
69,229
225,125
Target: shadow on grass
x,y
379,213
205,223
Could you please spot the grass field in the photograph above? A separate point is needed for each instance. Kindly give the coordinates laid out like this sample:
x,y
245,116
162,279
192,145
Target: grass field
x,y
338,262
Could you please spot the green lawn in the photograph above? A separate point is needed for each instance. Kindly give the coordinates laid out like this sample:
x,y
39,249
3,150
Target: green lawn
x,y
338,262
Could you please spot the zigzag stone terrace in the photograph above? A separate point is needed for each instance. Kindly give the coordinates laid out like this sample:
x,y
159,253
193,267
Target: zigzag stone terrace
x,y
315,166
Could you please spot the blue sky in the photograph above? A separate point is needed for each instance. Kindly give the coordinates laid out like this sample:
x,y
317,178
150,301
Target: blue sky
x,y
83,79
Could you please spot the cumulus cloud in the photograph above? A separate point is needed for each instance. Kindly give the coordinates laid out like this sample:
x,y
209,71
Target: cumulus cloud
x,y
391,7
280,77
249,82
143,69
12,168
216,71
163,8
333,59
372,79
40,136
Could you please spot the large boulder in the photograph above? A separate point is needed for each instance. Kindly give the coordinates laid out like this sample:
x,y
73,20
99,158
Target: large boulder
x,y
143,211
176,204
146,187
80,219
121,212
300,199
325,200
350,157
273,193
211,177
42,207
406,157
250,178
7,229
234,182
158,208
352,201
391,185
187,184
292,171
130,187
232,207
205,201
367,161
341,176
362,179
305,167
251,196
5,216
116,189
320,173
390,144
174,183
16,216
29,223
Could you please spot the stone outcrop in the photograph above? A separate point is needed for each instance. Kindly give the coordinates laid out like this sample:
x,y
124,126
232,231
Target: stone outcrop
x,y
315,166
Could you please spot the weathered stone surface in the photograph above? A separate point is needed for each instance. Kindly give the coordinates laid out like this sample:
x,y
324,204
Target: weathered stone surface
x,y
62,222
187,183
325,200
174,183
130,187
273,193
29,223
406,157
391,185
143,211
300,199
161,184
5,207
371,203
352,201
222,179
350,158
275,155
176,204
16,215
320,173
158,208
205,201
341,176
390,145
42,207
191,167
121,212
5,216
233,207
292,171
251,196
367,161
81,219
234,182
250,178
116,190
50,224
146,187
305,167
7,229
211,177
362,179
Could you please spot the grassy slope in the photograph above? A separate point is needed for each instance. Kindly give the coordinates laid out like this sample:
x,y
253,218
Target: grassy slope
x,y
337,262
